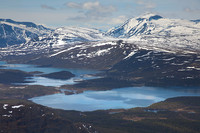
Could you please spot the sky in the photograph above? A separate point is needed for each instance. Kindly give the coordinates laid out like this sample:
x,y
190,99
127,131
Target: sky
x,y
100,14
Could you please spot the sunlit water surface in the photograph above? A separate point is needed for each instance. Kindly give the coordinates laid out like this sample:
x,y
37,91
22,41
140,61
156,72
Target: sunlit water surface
x,y
80,74
98,100
113,99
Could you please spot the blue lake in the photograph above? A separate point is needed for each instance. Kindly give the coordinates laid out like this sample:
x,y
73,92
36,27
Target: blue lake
x,y
80,74
113,99
98,100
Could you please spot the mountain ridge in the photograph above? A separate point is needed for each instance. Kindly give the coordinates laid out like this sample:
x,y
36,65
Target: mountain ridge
x,y
150,31
16,33
83,47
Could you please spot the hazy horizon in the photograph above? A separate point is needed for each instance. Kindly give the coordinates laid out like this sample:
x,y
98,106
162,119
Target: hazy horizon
x,y
100,14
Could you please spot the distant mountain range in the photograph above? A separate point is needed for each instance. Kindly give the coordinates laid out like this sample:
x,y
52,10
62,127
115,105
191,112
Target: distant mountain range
x,y
15,33
167,49
157,32
135,26
196,21
149,30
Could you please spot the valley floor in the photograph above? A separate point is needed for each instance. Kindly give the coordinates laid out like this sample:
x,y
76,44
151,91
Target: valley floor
x,y
148,50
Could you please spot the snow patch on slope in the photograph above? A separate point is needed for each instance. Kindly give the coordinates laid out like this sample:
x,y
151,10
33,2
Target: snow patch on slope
x,y
154,32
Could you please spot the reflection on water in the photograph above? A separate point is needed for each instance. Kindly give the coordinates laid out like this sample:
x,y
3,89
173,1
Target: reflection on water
x,y
2,63
111,99
80,74
95,100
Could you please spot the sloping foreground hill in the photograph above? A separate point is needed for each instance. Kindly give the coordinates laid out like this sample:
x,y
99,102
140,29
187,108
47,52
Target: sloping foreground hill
x,y
175,115
17,116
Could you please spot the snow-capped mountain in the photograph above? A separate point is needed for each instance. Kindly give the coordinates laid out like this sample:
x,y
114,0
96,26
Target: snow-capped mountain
x,y
82,46
148,50
196,21
151,24
155,32
13,32
66,36
135,26
148,31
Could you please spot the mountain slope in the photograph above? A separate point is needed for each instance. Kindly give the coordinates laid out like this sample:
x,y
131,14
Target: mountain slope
x,y
196,21
155,32
151,24
26,117
65,36
12,32
143,48
90,55
134,26
153,68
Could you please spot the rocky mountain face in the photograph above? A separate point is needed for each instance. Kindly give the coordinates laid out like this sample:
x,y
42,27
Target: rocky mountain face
x,y
66,36
155,32
152,68
148,45
15,33
196,21
135,26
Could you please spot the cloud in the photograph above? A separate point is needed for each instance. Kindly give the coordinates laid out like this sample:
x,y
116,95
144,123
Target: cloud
x,y
91,10
189,10
118,20
91,6
146,4
48,7
73,5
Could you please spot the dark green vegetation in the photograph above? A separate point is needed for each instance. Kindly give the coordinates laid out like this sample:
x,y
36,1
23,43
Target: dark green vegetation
x,y
175,115
65,60
125,65
9,91
25,92
63,75
13,76
183,118
152,68
142,67
19,116
98,84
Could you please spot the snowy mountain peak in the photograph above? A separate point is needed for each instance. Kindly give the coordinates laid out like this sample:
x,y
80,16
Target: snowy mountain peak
x,y
135,26
15,33
26,24
148,17
152,24
196,21
66,36
153,31
79,33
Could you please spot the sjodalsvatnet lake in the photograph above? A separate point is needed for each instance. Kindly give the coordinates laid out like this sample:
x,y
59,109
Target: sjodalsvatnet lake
x,y
128,97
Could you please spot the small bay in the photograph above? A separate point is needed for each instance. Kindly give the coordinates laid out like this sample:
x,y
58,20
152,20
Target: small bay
x,y
128,97
80,74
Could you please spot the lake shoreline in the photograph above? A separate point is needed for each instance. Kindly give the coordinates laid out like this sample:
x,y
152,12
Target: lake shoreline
x,y
173,112
83,82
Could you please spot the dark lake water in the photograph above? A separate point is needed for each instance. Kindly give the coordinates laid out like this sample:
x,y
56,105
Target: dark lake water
x,y
98,100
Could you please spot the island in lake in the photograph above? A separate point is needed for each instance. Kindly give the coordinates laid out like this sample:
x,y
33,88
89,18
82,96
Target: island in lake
x,y
142,76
